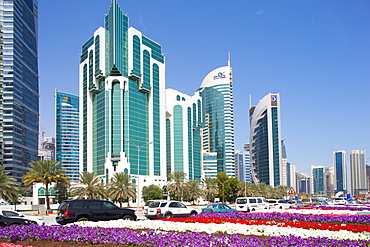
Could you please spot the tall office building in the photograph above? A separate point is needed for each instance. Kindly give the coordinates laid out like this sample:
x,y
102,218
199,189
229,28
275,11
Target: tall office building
x,y
340,172
358,172
242,164
265,139
67,133
1,78
183,133
122,102
218,113
329,178
318,180
303,182
20,88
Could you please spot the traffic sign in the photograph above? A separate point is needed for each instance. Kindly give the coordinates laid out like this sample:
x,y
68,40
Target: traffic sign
x,y
291,190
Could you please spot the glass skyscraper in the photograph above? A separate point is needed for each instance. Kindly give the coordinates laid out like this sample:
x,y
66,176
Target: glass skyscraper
x,y
218,113
183,127
122,101
265,141
20,86
318,180
340,172
67,133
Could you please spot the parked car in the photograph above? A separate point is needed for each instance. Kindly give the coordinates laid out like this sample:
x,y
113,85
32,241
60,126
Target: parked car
x,y
249,204
169,209
14,221
10,213
146,206
91,209
218,207
310,202
340,201
279,204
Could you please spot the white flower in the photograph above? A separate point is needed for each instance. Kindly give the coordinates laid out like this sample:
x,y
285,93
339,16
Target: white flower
x,y
228,228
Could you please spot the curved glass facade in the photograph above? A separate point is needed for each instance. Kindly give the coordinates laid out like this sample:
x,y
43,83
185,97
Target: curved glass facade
x,y
218,114
265,141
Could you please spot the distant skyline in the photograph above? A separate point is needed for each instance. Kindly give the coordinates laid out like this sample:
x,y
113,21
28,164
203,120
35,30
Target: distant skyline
x,y
315,53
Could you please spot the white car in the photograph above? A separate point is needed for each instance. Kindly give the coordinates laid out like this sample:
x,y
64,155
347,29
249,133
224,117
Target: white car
x,y
10,213
169,209
279,204
250,204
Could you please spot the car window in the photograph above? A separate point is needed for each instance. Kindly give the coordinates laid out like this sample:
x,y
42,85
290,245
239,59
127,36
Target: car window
x,y
227,207
259,200
181,205
305,200
154,205
252,200
95,205
108,205
174,205
163,204
63,206
241,201
221,206
148,203
78,204
10,213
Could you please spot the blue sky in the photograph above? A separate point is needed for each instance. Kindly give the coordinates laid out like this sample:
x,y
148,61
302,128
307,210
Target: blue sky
x,y
315,53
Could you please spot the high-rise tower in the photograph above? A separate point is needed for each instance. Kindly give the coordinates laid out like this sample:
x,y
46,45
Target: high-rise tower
x,y
340,172
67,133
358,172
122,109
183,126
20,87
265,139
218,112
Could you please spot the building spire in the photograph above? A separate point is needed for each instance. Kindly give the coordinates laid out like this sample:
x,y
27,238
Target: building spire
x,y
228,59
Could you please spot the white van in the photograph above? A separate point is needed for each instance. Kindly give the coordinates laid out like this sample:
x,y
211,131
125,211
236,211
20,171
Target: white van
x,y
249,204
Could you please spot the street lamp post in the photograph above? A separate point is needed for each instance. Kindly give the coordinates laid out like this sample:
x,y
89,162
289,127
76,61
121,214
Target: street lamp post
x,y
138,169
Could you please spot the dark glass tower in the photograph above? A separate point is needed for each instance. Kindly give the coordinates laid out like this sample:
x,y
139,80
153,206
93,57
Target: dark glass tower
x,y
19,21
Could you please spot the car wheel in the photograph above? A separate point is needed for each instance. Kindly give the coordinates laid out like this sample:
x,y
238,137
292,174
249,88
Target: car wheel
x,y
281,207
193,213
167,216
253,209
83,219
127,217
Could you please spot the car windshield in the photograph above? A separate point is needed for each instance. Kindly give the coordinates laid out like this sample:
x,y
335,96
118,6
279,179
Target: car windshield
x,y
154,205
148,203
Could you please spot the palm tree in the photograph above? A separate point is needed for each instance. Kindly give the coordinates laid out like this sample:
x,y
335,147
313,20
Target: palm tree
x,y
210,188
120,188
45,172
193,192
176,184
8,186
222,179
91,186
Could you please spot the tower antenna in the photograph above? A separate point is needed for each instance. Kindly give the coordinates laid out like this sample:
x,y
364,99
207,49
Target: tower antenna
x,y
228,59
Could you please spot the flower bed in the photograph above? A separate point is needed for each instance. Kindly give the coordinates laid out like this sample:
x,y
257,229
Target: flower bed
x,y
286,216
127,237
207,229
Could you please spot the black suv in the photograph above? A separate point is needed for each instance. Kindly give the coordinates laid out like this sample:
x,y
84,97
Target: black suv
x,y
91,209
14,221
